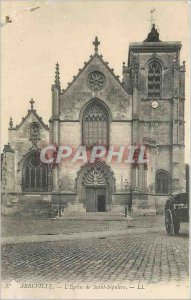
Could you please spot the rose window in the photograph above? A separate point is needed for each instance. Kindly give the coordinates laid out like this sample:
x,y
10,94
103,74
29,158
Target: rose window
x,y
96,80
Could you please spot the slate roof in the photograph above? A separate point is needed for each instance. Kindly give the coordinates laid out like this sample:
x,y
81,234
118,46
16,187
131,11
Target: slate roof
x,y
153,35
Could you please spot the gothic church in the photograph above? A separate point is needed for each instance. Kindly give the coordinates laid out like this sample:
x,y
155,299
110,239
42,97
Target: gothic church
x,y
145,108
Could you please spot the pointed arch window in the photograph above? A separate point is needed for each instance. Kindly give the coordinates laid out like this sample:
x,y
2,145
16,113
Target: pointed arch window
x,y
154,79
162,182
35,131
35,174
95,125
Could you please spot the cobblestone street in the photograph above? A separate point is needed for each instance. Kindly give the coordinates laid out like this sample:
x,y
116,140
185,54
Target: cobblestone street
x,y
146,256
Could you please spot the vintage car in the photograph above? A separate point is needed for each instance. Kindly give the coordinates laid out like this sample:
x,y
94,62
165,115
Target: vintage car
x,y
176,211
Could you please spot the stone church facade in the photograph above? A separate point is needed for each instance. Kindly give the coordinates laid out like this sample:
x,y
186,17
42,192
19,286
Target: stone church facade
x,y
145,108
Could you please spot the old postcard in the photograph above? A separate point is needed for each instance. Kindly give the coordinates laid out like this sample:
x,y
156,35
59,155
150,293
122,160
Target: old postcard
x,y
95,149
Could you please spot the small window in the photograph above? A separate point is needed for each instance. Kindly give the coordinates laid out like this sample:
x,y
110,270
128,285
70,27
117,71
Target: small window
x,y
162,182
154,80
35,131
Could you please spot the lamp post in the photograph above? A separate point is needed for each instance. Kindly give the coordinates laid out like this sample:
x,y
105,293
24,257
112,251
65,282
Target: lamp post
x,y
126,186
59,205
130,200
129,205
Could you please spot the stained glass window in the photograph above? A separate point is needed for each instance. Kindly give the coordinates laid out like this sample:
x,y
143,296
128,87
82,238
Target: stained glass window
x,y
35,175
96,80
95,125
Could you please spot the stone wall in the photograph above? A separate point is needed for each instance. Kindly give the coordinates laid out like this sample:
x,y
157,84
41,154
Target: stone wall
x,y
78,94
166,60
19,139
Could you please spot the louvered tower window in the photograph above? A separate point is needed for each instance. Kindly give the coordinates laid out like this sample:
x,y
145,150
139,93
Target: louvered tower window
x,y
154,80
95,125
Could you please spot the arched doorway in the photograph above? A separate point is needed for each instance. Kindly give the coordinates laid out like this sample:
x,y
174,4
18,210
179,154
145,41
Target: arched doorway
x,y
95,184
162,182
34,173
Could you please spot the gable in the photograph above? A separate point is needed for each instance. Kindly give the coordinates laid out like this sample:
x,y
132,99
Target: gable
x,y
20,135
95,63
31,117
79,92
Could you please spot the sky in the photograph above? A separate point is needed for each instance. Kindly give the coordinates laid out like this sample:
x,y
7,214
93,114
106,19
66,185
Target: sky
x,y
44,32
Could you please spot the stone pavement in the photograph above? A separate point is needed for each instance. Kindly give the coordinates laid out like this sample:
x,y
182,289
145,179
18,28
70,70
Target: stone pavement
x,y
17,226
145,255
73,236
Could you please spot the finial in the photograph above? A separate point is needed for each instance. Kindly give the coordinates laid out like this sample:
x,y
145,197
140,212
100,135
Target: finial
x,y
96,43
11,122
57,76
184,66
152,20
32,103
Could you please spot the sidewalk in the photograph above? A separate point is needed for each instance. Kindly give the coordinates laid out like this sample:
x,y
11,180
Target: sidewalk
x,y
76,236
16,226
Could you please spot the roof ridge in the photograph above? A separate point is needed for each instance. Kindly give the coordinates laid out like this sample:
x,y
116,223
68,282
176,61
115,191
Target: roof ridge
x,y
117,77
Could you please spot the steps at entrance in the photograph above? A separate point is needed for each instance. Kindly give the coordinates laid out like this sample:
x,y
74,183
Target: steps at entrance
x,y
107,216
113,221
75,208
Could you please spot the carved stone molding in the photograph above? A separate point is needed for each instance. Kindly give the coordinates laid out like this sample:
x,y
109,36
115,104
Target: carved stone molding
x,y
95,176
149,141
134,70
151,124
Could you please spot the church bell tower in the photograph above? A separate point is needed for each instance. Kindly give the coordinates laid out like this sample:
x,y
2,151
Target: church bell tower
x,y
158,95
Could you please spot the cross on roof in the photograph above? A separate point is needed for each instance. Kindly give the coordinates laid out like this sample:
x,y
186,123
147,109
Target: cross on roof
x,y
32,102
96,43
